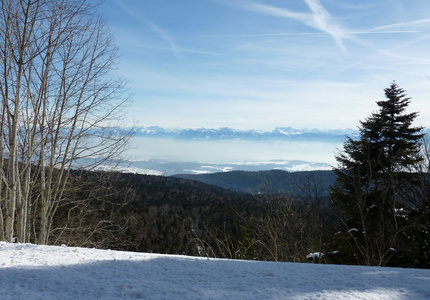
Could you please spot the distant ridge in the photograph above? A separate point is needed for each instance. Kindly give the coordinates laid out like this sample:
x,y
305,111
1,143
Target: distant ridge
x,y
169,168
226,133
272,181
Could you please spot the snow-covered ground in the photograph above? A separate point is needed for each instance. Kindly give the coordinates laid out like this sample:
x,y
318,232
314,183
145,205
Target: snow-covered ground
x,y
45,272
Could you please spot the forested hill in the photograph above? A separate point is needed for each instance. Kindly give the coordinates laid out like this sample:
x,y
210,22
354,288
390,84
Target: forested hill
x,y
273,181
170,187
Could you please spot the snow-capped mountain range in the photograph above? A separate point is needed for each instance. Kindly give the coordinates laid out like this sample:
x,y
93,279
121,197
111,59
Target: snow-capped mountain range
x,y
166,151
226,133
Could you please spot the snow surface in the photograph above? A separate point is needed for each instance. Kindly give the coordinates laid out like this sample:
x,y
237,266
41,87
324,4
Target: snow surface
x,y
30,271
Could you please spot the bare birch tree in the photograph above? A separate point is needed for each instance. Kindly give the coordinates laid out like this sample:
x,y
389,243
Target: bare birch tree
x,y
60,109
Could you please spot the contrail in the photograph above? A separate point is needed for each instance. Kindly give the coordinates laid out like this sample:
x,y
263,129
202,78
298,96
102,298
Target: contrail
x,y
404,24
310,33
151,25
319,18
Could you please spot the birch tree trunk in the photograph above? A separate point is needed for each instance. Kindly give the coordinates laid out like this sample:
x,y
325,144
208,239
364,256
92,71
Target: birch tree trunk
x,y
59,111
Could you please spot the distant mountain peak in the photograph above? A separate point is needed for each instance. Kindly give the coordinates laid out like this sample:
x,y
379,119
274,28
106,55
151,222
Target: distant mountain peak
x,y
227,133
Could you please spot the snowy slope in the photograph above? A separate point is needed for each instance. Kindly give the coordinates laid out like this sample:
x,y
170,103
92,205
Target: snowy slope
x,y
45,272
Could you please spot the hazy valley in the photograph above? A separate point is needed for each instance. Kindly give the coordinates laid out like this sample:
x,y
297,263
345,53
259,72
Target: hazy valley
x,y
158,151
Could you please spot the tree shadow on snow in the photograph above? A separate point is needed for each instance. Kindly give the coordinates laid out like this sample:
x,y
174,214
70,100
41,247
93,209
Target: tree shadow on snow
x,y
189,278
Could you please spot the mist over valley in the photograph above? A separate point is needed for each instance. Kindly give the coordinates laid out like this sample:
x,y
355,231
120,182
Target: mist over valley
x,y
159,151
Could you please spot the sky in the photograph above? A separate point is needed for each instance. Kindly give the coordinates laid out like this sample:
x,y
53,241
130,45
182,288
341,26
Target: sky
x,y
249,64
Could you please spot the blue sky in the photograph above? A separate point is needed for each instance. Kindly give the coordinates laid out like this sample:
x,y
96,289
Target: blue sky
x,y
263,64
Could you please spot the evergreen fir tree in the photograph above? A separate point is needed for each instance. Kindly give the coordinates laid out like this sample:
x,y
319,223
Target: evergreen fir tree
x,y
374,179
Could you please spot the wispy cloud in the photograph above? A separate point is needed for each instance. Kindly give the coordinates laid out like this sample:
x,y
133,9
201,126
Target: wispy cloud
x,y
323,21
151,25
182,50
279,34
404,24
157,30
393,53
319,18
277,12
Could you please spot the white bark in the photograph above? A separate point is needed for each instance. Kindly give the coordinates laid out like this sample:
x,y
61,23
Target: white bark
x,y
57,106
